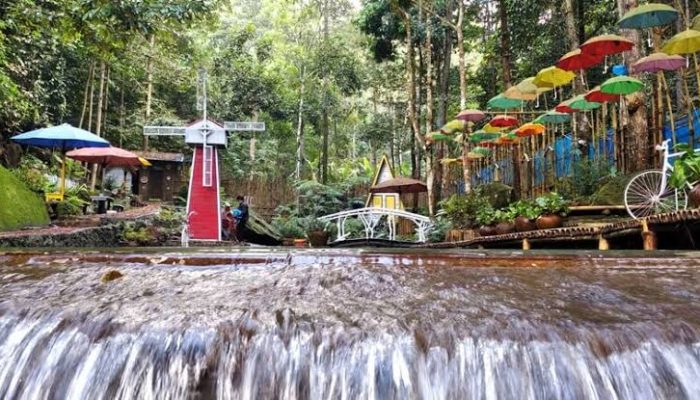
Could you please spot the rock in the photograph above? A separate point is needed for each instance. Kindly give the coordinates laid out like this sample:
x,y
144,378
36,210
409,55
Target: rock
x,y
111,275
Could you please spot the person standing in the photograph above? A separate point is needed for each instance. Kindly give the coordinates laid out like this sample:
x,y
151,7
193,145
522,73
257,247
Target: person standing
x,y
241,218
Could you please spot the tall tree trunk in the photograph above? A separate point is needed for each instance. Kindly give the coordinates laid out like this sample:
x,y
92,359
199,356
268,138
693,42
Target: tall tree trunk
x,y
461,56
149,84
105,104
505,43
98,119
636,135
91,105
300,127
90,77
432,172
122,119
325,125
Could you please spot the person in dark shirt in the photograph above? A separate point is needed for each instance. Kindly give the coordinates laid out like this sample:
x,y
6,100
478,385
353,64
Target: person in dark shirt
x,y
241,218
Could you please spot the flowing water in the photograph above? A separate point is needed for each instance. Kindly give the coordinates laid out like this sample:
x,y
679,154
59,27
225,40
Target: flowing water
x,y
349,325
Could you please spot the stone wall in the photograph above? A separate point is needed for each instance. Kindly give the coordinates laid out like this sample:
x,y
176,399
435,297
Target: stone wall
x,y
101,236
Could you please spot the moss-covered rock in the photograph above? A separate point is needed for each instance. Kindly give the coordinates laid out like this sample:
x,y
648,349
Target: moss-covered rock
x,y
19,207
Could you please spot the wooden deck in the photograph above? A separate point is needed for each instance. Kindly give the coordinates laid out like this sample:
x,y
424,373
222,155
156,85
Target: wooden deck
x,y
633,234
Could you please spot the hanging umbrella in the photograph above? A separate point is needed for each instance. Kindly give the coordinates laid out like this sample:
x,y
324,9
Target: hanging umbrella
x,y
527,86
433,137
553,77
577,60
508,139
564,107
400,185
501,102
482,150
595,95
503,121
530,129
622,85
492,129
489,144
471,115
605,45
474,156
686,42
554,117
649,16
659,62
579,103
106,156
480,136
456,125
515,94
450,161
695,24
145,162
63,137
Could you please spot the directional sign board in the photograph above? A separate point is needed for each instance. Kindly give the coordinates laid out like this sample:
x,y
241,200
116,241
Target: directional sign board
x,y
245,126
163,131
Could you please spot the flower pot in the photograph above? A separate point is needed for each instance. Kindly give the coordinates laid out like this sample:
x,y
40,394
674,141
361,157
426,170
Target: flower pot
x,y
318,238
549,221
299,242
523,224
487,230
694,196
504,228
288,242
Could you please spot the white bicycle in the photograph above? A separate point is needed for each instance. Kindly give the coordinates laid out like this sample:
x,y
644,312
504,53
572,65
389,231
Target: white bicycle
x,y
648,193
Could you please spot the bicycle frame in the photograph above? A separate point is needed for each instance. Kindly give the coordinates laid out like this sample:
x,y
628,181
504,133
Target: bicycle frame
x,y
667,167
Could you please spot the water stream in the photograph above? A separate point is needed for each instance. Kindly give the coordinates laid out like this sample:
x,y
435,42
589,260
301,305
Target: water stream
x,y
350,325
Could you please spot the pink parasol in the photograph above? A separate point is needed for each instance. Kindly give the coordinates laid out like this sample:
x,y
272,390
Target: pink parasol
x,y
106,156
659,62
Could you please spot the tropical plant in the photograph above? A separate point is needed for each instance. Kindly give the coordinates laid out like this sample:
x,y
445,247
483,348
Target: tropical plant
x,y
527,209
504,215
313,224
461,210
686,169
289,227
552,203
486,215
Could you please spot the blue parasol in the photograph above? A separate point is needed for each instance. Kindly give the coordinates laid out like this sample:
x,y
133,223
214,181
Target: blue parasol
x,y
63,137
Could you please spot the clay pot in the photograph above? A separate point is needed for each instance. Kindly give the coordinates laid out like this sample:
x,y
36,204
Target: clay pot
x,y
505,228
523,224
288,242
487,230
694,196
549,221
318,238
299,242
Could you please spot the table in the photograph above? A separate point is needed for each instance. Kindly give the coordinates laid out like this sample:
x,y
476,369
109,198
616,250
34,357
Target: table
x,y
103,203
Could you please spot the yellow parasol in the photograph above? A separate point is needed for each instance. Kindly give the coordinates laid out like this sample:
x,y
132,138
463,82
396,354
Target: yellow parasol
x,y
553,77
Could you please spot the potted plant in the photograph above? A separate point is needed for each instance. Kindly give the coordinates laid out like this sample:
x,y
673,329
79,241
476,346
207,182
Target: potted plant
x,y
552,206
289,228
460,211
686,173
526,213
485,217
504,221
316,232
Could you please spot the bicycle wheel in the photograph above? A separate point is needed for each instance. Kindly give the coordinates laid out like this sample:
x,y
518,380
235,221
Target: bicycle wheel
x,y
644,196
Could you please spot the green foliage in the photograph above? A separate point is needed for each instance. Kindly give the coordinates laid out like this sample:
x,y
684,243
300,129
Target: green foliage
x,y
439,230
317,200
312,224
611,192
461,210
70,206
686,169
289,227
504,215
19,207
486,215
586,178
527,209
33,173
169,219
552,203
497,194
138,234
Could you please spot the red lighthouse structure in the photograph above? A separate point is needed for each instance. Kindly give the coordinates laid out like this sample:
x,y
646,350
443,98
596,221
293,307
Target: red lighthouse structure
x,y
207,137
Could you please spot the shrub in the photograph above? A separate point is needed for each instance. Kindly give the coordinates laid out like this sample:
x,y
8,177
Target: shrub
x,y
289,227
527,209
19,206
461,210
439,230
318,200
486,216
497,194
552,203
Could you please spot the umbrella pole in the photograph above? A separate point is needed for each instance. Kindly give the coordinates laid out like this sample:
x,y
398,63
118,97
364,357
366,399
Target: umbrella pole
x,y
63,174
670,108
691,113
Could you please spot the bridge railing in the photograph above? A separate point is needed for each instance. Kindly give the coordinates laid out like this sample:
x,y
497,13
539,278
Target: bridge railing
x,y
372,216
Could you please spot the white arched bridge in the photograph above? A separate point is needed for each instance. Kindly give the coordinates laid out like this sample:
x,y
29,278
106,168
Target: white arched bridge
x,y
371,218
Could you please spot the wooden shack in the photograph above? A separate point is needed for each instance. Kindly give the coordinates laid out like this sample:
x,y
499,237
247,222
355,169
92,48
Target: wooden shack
x,y
163,179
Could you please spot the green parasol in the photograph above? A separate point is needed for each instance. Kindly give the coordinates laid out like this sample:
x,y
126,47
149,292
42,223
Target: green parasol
x,y
623,85
501,102
649,16
554,117
579,103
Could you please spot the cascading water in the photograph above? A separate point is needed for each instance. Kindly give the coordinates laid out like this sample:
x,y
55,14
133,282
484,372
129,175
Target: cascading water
x,y
352,326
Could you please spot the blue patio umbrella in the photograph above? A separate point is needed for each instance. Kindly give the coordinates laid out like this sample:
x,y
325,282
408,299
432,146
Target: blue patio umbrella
x,y
63,137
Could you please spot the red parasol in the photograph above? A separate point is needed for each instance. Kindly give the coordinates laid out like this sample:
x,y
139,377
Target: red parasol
x,y
595,95
106,156
605,45
471,115
564,108
503,121
577,60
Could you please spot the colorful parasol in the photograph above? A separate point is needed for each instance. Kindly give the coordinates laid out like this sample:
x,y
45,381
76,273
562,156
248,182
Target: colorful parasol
x,y
659,62
649,16
503,121
622,85
695,24
436,137
470,115
554,117
605,45
106,156
553,77
530,129
480,136
482,150
492,129
515,94
595,95
577,60
475,156
453,126
501,102
686,42
579,103
564,107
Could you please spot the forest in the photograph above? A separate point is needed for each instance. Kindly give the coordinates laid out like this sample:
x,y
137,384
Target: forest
x,y
339,83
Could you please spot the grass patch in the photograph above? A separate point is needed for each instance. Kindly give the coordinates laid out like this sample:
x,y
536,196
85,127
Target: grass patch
x,y
19,207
